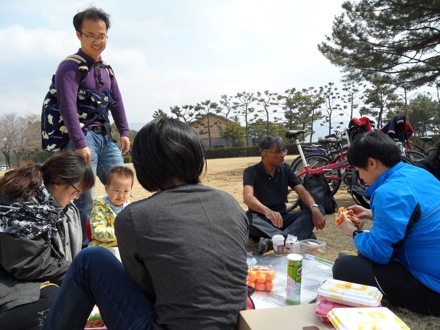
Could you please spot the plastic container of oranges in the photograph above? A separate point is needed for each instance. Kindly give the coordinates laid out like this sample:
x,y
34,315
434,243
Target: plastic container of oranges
x,y
261,277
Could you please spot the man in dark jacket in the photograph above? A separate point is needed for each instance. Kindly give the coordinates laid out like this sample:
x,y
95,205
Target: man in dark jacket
x,y
431,163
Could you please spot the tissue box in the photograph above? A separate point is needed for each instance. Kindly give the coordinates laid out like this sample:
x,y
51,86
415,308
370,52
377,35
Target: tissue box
x,y
351,294
365,318
312,246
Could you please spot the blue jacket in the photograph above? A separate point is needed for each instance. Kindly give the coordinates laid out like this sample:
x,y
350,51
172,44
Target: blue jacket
x,y
405,202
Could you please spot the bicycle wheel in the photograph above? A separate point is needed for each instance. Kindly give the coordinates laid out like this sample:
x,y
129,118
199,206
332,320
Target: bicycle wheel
x,y
314,161
406,160
431,151
415,155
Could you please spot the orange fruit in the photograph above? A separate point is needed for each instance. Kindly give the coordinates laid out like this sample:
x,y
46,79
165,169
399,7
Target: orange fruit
x,y
252,275
268,286
251,283
270,275
261,278
260,286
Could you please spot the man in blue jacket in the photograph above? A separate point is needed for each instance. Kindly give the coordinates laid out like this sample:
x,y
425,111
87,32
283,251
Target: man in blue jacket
x,y
400,254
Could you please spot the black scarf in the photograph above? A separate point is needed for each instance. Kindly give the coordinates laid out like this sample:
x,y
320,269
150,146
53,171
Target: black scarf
x,y
32,219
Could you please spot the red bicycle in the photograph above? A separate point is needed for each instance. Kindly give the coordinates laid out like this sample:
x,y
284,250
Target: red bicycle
x,y
336,169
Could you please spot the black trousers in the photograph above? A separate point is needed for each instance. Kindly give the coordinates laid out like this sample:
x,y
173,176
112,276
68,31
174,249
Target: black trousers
x,y
29,316
396,283
299,224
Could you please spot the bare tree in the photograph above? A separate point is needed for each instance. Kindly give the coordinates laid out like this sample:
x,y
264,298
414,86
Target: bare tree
x,y
228,107
204,113
243,108
186,112
332,108
19,135
268,100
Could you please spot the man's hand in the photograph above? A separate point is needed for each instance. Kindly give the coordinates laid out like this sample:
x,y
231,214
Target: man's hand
x,y
275,217
84,153
125,144
318,218
361,212
347,227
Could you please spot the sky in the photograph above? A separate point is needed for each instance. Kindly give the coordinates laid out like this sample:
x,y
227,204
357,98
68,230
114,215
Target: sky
x,y
170,52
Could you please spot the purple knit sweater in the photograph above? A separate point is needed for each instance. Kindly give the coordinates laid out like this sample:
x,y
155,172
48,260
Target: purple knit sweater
x,y
67,82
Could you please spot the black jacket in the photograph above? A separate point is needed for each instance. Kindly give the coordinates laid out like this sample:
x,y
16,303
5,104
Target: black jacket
x,y
26,264
431,164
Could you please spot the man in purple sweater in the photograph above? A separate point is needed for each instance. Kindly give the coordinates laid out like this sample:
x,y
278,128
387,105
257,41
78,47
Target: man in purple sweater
x,y
92,140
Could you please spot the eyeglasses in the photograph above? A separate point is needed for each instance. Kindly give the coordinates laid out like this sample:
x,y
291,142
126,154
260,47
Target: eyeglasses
x,y
76,189
278,152
101,38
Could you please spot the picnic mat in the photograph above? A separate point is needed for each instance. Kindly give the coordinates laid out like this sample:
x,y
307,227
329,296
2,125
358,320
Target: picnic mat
x,y
315,271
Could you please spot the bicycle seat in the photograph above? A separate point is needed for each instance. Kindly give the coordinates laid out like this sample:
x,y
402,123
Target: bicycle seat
x,y
327,140
426,138
294,134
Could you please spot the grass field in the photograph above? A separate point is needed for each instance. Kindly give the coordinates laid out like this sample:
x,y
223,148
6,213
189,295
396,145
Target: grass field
x,y
226,174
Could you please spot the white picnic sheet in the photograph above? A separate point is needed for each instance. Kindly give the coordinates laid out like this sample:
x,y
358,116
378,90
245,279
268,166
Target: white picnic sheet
x,y
315,271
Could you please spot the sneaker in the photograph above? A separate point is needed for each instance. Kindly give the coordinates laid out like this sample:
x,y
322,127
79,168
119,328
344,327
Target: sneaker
x,y
264,245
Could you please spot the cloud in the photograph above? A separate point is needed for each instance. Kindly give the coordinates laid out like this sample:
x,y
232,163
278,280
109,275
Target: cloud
x,y
172,52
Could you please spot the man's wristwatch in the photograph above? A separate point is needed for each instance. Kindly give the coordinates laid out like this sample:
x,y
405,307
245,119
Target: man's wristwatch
x,y
356,232
314,205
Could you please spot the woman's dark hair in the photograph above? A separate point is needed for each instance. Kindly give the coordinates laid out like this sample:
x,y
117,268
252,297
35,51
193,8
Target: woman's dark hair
x,y
375,145
166,149
63,168
92,14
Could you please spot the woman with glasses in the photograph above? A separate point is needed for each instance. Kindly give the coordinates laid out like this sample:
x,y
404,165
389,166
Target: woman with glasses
x,y
183,249
40,234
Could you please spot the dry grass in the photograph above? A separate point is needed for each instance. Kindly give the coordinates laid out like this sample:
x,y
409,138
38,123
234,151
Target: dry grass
x,y
226,174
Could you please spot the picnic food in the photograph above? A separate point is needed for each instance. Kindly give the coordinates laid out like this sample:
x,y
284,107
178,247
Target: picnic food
x,y
260,277
350,215
311,246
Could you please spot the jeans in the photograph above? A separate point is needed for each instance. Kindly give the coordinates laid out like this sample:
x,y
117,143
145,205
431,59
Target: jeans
x,y
97,277
104,155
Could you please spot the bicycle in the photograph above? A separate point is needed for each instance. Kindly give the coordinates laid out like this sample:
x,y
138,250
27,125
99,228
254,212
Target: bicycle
x,y
414,156
330,146
426,148
336,170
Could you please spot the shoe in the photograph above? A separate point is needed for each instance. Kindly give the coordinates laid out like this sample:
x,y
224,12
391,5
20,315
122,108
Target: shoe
x,y
264,245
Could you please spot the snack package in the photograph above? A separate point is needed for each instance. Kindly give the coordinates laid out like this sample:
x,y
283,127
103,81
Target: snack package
x,y
365,318
350,215
351,294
